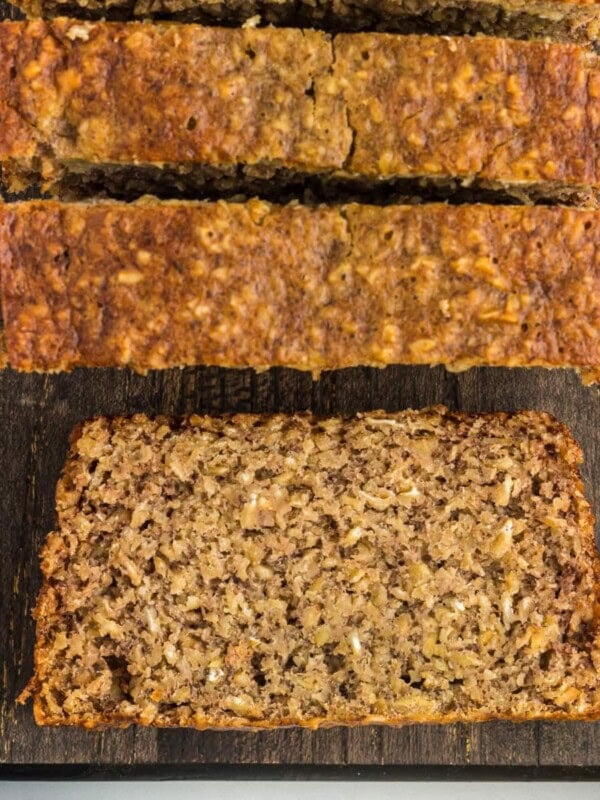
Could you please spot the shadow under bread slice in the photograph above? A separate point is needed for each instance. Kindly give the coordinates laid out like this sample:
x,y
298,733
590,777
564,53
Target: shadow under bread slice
x,y
158,284
140,100
248,571
563,20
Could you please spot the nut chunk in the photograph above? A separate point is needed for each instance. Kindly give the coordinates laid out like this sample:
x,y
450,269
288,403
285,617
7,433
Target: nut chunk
x,y
265,571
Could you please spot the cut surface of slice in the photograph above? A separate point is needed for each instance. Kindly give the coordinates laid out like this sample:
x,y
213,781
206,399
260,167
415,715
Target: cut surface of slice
x,y
264,571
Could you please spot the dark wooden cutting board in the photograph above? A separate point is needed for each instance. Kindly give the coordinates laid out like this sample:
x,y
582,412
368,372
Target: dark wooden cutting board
x,y
36,415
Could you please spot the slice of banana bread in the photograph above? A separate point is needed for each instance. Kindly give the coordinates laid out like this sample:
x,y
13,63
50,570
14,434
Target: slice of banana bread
x,y
264,571
139,106
154,284
564,20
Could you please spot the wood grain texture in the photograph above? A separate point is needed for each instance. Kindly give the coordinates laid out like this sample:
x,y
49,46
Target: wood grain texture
x,y
36,415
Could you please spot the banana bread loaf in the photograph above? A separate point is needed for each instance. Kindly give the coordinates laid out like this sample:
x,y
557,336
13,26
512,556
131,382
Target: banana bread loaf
x,y
265,571
563,20
163,284
140,106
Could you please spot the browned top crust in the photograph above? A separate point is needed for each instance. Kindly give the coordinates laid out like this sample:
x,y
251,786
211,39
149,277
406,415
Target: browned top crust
x,y
493,108
161,284
366,104
169,93
265,571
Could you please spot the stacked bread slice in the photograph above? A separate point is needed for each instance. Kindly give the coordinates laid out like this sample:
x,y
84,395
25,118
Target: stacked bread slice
x,y
570,20
163,108
157,284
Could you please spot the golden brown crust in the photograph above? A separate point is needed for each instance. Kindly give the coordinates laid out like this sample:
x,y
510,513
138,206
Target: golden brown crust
x,y
375,105
578,575
492,108
3,351
168,93
155,285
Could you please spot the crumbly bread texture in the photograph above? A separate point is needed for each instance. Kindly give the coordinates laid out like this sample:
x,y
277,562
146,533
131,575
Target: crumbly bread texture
x,y
258,103
565,20
266,571
154,284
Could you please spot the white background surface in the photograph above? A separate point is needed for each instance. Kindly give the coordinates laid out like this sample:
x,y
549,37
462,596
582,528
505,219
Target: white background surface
x,y
283,790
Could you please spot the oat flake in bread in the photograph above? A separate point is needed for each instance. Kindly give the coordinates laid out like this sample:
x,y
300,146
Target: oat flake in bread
x,y
255,571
